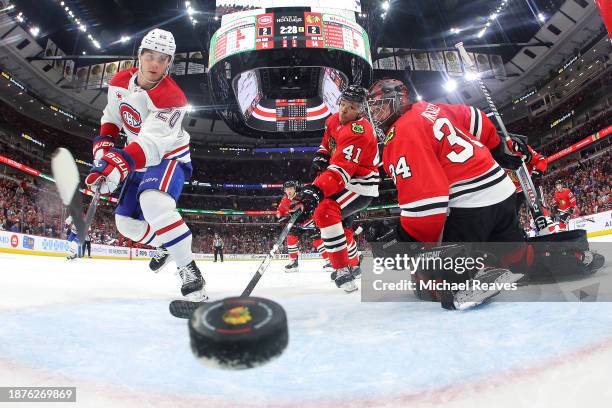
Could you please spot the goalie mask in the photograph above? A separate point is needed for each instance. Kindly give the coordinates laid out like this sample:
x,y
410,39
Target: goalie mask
x,y
388,99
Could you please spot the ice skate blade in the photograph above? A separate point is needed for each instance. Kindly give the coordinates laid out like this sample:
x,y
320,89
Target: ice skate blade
x,y
349,287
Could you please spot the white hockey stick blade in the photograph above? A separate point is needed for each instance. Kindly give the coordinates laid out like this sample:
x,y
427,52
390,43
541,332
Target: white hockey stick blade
x,y
66,174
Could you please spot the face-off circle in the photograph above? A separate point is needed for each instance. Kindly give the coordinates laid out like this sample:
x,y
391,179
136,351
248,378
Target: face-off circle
x,y
239,332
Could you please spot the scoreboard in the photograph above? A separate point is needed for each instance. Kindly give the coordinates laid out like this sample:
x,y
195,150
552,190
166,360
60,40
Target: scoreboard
x,y
286,29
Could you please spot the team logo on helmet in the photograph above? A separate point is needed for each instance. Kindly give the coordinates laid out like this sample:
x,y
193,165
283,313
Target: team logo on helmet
x,y
131,117
390,135
357,128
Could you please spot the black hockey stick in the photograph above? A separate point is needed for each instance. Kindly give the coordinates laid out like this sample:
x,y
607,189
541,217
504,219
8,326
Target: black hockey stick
x,y
264,265
533,201
183,309
66,175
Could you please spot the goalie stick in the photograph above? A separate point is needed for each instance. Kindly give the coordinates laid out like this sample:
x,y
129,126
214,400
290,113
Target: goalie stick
x,y
522,174
66,175
184,308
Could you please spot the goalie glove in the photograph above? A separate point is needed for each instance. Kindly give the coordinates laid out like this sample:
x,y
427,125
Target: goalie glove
x,y
113,168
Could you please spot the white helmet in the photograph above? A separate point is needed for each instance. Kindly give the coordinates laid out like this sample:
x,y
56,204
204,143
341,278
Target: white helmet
x,y
160,41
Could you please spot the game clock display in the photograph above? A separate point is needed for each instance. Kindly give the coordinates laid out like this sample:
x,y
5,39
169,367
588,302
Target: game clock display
x,y
289,29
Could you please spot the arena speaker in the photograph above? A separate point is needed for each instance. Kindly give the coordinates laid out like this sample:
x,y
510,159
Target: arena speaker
x,y
281,70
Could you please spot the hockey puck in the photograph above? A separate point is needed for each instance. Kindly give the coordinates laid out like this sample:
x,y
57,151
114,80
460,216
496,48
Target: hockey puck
x,y
238,332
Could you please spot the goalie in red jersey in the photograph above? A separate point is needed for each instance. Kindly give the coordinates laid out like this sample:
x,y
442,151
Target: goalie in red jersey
x,y
447,164
293,238
565,201
347,181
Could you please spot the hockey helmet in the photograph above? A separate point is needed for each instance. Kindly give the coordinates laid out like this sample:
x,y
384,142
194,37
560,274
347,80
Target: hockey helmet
x,y
354,93
390,93
159,40
291,183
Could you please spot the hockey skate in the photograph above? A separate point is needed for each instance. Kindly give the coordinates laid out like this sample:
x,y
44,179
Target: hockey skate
x,y
292,267
475,295
193,283
592,261
327,267
345,280
160,259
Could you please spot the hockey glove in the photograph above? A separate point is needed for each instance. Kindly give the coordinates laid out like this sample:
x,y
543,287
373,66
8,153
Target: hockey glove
x,y
113,168
518,144
505,158
388,240
319,164
307,200
101,146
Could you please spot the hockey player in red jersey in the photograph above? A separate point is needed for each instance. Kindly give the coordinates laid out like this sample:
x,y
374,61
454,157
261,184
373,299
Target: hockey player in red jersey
x,y
293,238
155,163
442,159
347,182
565,201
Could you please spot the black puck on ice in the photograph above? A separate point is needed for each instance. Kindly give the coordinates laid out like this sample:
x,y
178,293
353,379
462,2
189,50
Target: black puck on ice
x,y
238,332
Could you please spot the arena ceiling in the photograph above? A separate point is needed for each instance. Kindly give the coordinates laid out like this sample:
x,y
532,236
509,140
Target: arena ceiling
x,y
415,24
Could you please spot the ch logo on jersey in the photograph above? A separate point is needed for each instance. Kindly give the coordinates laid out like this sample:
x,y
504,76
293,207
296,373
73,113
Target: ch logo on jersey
x,y
131,117
390,135
357,128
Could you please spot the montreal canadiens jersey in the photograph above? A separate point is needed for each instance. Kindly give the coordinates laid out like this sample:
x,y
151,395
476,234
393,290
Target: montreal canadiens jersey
x,y
436,162
153,118
565,199
353,151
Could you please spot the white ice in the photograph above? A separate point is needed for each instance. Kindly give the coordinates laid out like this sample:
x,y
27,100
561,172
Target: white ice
x,y
104,327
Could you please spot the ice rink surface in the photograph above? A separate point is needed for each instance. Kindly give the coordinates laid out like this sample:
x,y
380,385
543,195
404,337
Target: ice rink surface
x,y
104,327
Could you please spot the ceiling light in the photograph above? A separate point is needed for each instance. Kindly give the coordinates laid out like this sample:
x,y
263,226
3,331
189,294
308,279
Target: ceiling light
x,y
385,5
481,32
471,76
493,16
419,97
124,39
450,85
541,17
34,31
455,30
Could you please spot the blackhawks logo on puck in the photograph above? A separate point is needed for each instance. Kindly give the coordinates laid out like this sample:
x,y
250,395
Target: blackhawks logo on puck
x,y
237,315
357,128
390,135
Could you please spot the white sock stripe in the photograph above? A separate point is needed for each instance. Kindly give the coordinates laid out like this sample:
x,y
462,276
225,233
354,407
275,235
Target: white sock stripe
x,y
332,231
350,200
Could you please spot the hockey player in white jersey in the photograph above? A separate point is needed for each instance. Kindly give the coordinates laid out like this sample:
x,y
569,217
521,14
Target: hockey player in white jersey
x,y
155,163
72,238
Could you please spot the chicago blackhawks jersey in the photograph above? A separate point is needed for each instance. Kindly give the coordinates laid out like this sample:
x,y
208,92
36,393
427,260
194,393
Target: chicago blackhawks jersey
x,y
152,118
354,158
436,162
284,208
565,199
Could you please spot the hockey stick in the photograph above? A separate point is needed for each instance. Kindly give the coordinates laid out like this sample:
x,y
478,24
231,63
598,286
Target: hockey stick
x,y
264,265
66,175
522,174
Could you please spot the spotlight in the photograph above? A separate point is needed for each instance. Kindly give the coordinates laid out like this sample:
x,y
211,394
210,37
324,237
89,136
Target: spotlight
x,y
124,39
481,32
419,97
455,30
541,17
34,31
450,85
385,5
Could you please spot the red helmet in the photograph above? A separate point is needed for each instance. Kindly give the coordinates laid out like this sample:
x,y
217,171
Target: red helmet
x,y
388,92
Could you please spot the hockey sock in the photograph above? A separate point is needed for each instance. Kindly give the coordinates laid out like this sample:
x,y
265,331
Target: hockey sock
x,y
318,244
292,246
335,245
137,230
351,247
159,210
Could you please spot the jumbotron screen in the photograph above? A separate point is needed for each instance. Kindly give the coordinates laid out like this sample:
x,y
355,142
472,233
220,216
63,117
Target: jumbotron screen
x,y
232,6
289,29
